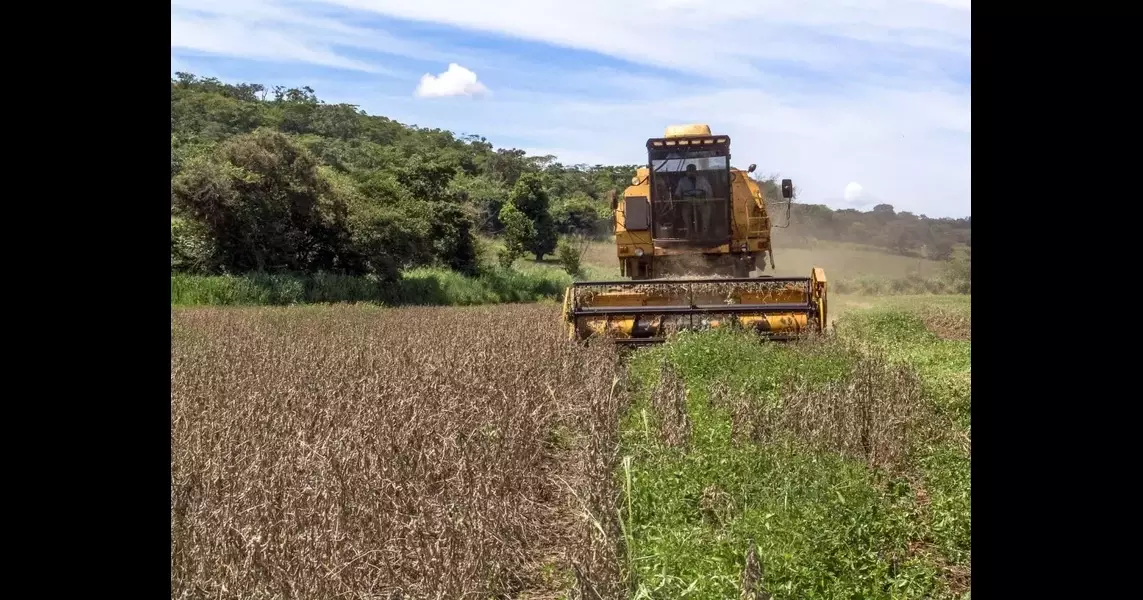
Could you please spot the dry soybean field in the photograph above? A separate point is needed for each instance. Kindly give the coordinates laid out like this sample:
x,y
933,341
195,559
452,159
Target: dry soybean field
x,y
435,452
358,452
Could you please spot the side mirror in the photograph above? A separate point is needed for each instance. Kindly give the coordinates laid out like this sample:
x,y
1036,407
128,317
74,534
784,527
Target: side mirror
x,y
787,189
751,168
612,200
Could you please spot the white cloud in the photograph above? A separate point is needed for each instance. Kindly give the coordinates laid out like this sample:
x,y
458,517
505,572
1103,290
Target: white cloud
x,y
456,81
853,191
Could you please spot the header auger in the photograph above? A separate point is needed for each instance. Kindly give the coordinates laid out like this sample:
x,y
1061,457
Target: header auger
x,y
688,213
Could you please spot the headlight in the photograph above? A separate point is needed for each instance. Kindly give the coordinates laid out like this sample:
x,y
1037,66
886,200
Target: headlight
x,y
638,252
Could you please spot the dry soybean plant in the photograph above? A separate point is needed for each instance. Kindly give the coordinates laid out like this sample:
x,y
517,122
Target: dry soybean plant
x,y
875,414
343,452
598,536
751,585
669,402
948,324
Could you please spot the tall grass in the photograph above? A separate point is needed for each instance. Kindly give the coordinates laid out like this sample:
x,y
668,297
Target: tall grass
x,y
416,287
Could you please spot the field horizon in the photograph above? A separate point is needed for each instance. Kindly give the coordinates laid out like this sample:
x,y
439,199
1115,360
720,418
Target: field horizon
x,y
851,269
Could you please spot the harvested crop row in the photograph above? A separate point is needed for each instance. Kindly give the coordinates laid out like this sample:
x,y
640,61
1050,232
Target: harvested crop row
x,y
343,452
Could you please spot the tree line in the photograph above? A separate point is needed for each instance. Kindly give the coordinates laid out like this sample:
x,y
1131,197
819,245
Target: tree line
x,y
898,232
276,180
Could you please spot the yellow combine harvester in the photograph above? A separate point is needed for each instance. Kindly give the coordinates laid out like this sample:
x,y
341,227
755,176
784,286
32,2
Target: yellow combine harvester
x,y
689,213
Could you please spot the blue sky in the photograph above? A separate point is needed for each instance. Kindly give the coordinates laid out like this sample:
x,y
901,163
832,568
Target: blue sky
x,y
858,101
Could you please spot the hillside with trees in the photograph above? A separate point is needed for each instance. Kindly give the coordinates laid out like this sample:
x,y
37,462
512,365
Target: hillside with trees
x,y
274,180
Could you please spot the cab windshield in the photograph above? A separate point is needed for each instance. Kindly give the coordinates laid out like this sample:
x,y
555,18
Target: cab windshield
x,y
690,195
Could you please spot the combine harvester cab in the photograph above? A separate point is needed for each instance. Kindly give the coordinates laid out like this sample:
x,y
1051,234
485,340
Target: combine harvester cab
x,y
686,216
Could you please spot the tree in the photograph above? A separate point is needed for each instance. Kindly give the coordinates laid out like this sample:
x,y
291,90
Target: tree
x,y
529,197
451,232
261,199
519,233
507,165
485,196
340,121
426,178
576,215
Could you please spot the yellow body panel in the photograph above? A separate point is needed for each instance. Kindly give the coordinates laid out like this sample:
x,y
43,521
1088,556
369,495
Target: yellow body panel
x,y
723,249
785,322
692,130
751,221
642,188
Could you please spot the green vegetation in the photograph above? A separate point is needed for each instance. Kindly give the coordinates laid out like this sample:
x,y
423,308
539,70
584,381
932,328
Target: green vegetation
x,y
845,460
272,181
268,182
424,286
527,219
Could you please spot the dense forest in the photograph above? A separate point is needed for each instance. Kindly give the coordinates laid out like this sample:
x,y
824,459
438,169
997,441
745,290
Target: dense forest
x,y
270,180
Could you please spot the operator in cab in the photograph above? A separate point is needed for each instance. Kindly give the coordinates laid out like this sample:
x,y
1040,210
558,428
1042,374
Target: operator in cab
x,y
696,188
693,182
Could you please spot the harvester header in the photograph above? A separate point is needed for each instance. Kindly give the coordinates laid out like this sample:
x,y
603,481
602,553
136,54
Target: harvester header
x,y
646,312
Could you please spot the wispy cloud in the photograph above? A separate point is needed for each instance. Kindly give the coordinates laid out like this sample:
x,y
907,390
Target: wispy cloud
x,y
285,31
827,93
724,37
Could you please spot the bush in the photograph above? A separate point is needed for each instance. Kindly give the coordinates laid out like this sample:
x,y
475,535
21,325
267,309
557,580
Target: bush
x,y
507,257
264,202
569,257
192,249
959,274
